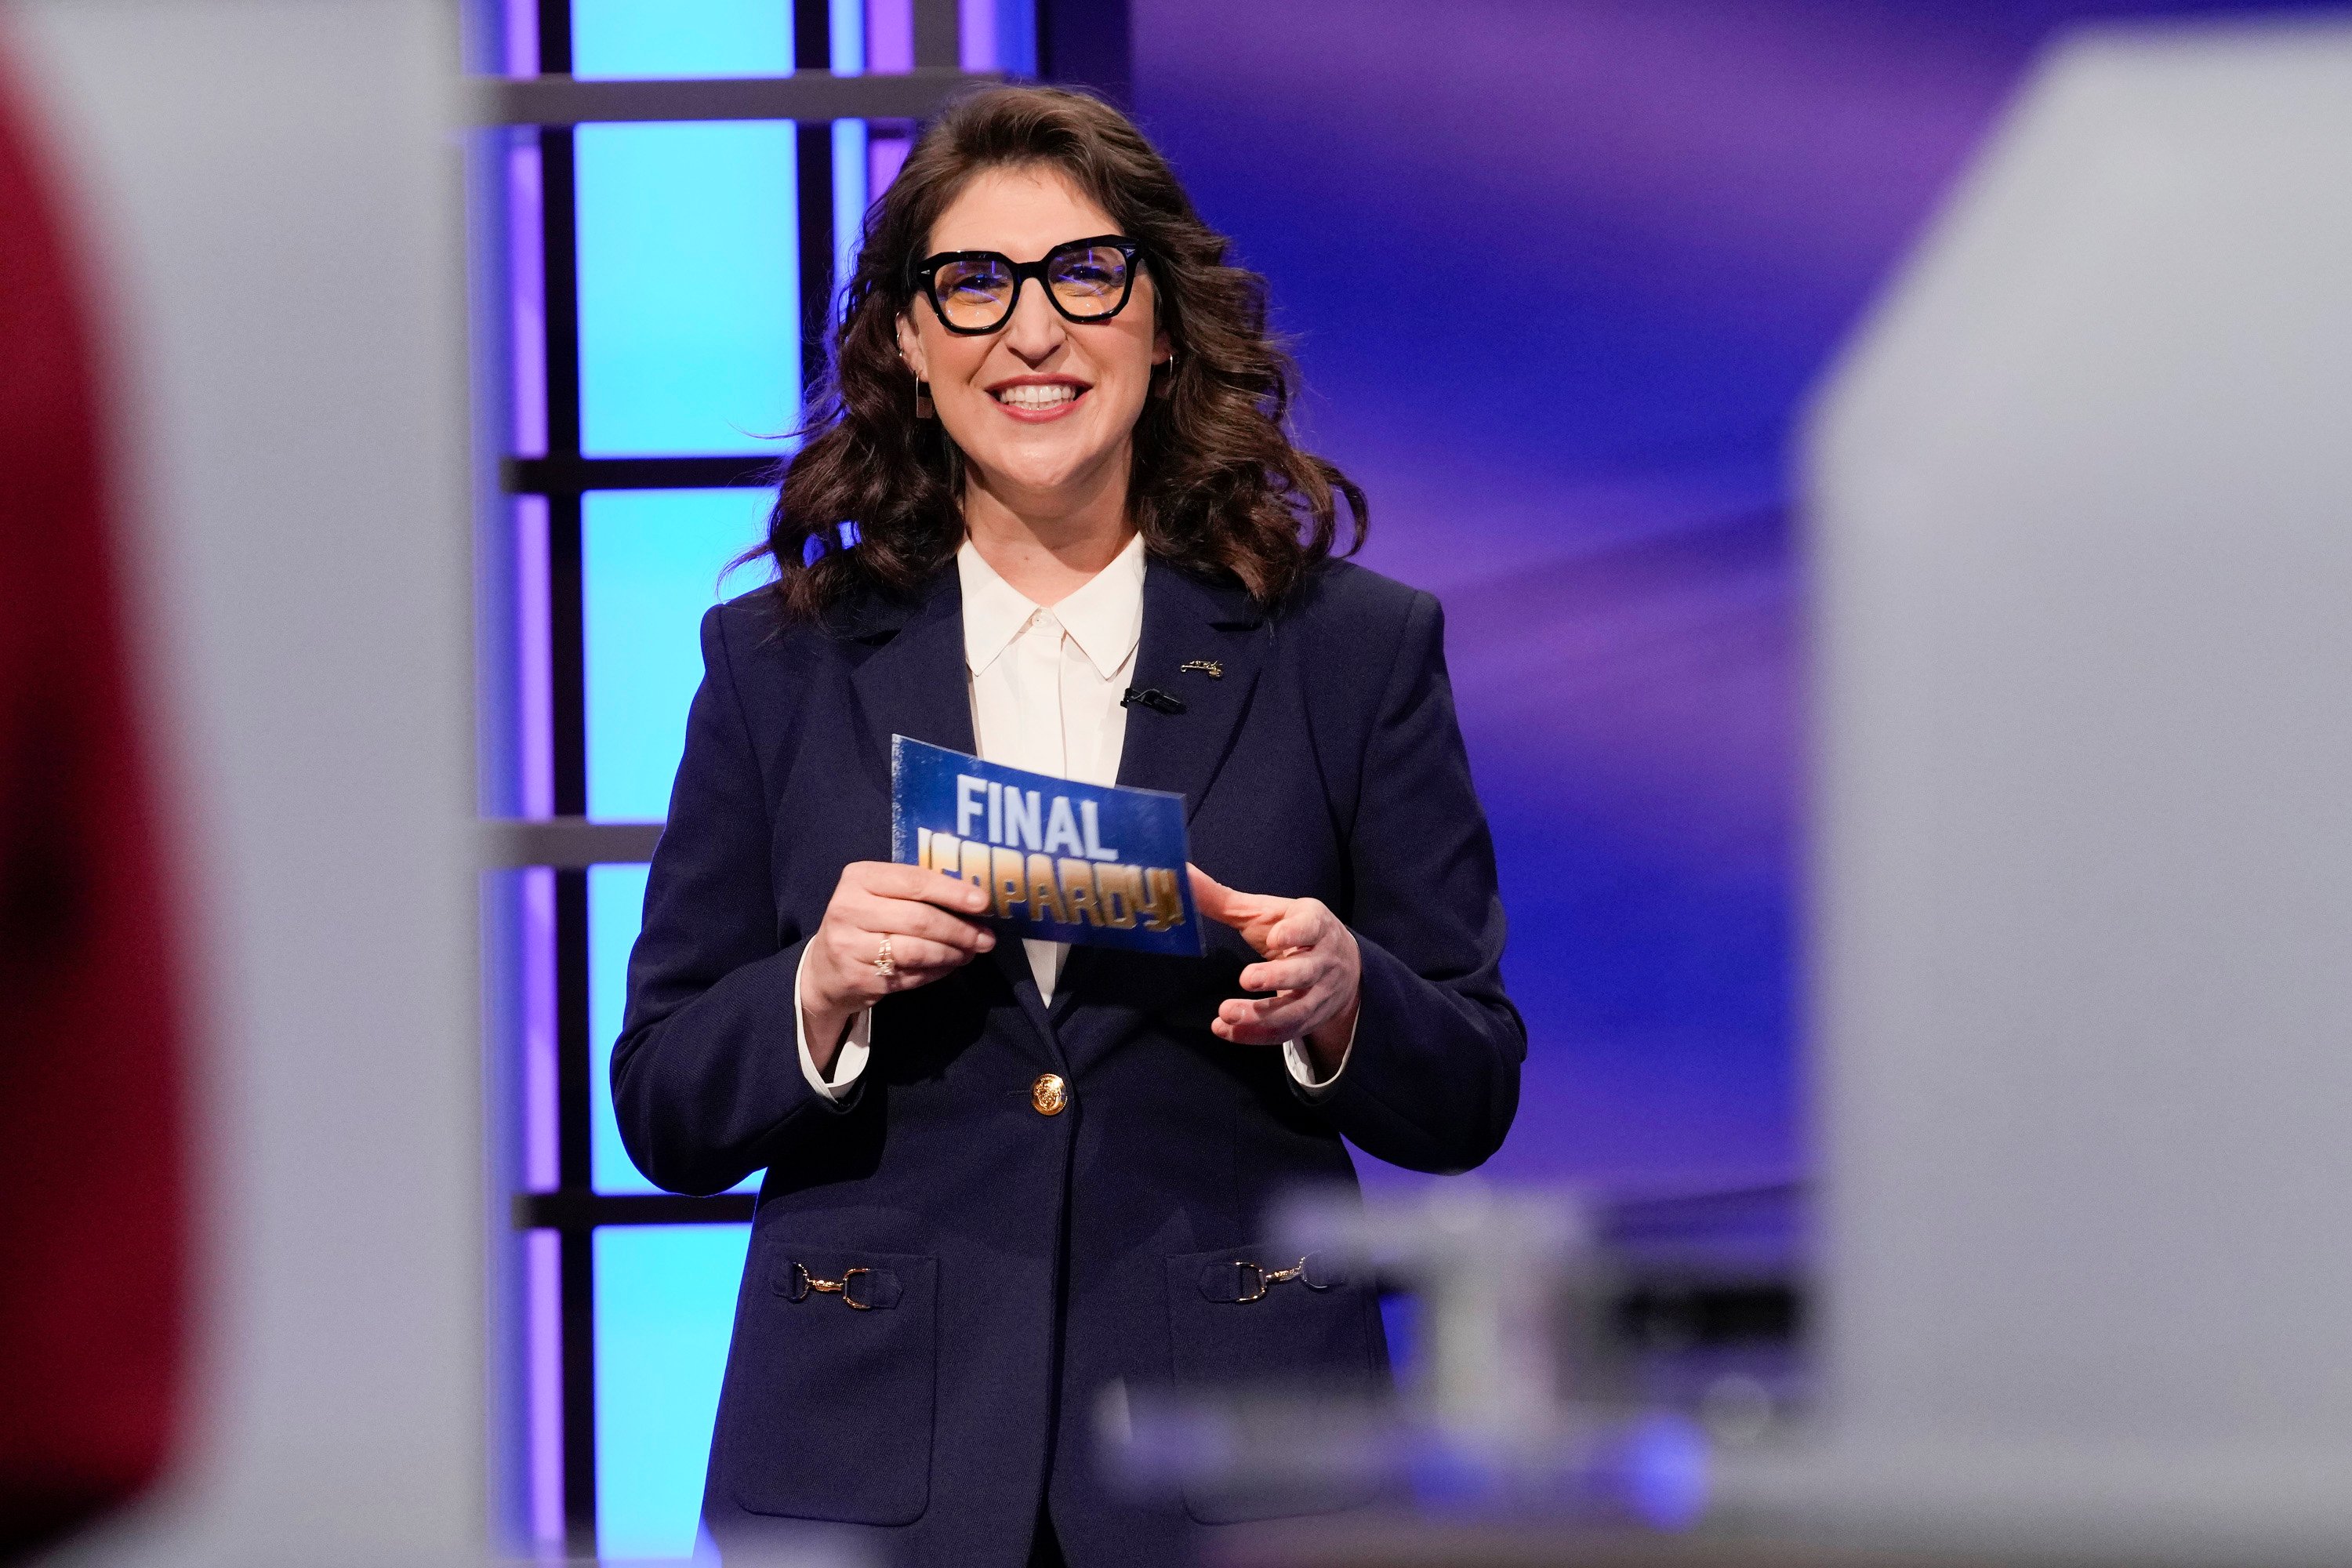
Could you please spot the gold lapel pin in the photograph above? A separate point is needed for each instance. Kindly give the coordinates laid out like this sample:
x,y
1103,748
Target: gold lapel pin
x,y
1208,666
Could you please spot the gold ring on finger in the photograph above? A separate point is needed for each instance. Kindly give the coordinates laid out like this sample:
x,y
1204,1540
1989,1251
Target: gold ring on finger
x,y
884,964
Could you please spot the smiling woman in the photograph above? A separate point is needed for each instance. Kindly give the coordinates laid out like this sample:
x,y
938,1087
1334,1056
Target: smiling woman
x,y
1003,1179
1180,358
1038,399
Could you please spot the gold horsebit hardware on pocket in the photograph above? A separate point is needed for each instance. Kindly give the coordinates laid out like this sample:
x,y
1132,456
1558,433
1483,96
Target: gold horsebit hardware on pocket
x,y
803,1282
1267,1278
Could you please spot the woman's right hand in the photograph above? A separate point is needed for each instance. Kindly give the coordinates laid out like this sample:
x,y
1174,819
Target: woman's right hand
x,y
926,915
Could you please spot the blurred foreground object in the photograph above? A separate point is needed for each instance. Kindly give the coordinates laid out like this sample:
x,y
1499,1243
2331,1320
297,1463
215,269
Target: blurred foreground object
x,y
92,1206
1516,1401
269,192
2080,504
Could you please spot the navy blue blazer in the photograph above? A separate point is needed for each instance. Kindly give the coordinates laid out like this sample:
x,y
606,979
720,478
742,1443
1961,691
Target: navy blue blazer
x,y
1019,1262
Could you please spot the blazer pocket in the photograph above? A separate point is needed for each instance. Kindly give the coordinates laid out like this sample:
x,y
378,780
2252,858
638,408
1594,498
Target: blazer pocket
x,y
1236,1328
830,1386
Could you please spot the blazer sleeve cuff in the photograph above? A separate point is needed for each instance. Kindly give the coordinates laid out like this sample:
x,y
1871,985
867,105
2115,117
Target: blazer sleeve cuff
x,y
1309,1088
849,1064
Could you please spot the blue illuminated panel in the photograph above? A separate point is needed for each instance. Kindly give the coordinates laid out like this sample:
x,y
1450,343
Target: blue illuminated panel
x,y
616,901
851,167
681,37
651,561
850,155
689,288
689,262
846,21
665,1304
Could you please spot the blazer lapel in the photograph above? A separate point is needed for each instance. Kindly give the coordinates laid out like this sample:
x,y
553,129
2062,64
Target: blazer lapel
x,y
915,684
1188,622
1185,622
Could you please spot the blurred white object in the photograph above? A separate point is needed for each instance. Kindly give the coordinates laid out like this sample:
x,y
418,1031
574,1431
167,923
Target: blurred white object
x,y
1513,1407
2081,507
269,194
1495,1273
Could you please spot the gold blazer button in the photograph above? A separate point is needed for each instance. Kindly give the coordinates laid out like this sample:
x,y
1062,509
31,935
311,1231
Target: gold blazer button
x,y
1049,1094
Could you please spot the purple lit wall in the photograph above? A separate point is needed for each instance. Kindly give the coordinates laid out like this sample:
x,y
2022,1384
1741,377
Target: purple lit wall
x,y
1559,275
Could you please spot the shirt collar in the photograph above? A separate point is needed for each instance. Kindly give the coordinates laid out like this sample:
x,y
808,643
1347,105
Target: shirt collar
x,y
1104,617
993,610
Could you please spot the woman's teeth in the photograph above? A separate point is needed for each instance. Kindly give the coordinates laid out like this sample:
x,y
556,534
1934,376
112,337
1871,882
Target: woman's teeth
x,y
1038,397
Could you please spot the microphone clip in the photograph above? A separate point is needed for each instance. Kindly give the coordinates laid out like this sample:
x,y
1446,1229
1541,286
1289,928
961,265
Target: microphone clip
x,y
1154,698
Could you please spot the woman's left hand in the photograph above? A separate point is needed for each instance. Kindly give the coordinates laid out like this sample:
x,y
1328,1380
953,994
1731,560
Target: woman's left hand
x,y
1311,963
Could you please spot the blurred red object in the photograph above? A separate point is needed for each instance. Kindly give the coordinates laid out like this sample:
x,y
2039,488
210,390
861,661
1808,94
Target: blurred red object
x,y
93,1209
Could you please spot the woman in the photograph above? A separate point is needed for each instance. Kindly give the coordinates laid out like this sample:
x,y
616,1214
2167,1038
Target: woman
x,y
1004,1178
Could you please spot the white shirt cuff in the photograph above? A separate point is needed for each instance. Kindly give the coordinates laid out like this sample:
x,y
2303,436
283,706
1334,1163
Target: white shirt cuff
x,y
849,1062
1302,1071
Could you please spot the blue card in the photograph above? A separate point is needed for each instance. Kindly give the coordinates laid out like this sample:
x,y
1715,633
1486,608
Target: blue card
x,y
1065,861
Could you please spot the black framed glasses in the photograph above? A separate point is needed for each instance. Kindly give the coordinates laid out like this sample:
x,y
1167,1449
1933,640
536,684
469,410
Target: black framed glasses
x,y
974,291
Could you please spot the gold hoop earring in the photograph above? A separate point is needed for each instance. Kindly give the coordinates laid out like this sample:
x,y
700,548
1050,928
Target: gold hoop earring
x,y
923,409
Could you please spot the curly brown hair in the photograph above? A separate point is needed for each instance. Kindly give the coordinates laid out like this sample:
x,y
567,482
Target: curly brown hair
x,y
1217,487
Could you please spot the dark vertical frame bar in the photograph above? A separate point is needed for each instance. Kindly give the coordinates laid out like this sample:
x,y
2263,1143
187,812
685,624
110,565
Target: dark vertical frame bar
x,y
812,50
567,666
576,1254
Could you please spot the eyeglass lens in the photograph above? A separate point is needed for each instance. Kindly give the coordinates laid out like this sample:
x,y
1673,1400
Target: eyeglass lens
x,y
976,293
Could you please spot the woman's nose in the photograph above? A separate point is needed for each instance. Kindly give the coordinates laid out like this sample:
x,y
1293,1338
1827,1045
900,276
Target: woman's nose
x,y
1036,331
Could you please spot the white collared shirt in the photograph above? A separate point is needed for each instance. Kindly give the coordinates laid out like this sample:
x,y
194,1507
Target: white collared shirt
x,y
1046,687
1046,684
